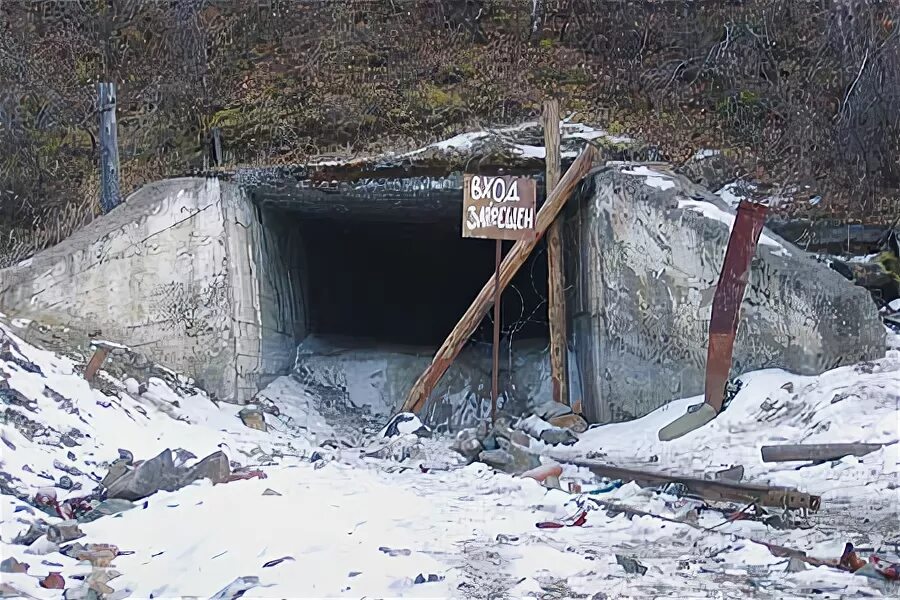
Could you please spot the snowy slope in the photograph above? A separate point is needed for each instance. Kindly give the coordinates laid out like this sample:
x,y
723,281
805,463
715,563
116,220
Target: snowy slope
x,y
351,526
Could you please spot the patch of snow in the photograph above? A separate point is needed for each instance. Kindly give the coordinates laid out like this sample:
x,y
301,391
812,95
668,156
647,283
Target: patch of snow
x,y
894,304
109,344
20,323
653,178
706,153
711,211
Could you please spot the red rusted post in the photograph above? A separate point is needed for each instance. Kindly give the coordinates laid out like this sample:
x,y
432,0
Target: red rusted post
x,y
748,226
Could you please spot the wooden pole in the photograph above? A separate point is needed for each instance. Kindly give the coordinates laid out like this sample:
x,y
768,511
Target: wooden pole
x,y
109,147
516,257
556,294
495,375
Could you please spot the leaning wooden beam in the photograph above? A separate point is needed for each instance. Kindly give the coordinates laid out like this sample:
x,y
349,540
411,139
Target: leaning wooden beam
x,y
556,294
516,257
709,489
792,452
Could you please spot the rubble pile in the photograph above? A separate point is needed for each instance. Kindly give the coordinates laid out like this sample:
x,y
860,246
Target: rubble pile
x,y
123,487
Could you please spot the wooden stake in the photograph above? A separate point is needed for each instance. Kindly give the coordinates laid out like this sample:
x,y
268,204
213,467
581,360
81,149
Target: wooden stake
x,y
556,294
516,257
495,374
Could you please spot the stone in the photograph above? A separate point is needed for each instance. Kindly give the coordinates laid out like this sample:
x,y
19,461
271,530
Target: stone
x,y
549,410
270,492
630,565
253,418
557,436
146,478
509,458
659,241
571,421
64,532
11,565
35,531
99,555
53,581
214,467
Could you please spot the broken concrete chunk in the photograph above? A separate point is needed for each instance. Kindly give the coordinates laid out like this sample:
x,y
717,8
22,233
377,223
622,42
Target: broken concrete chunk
x,y
28,537
11,565
99,555
557,436
253,418
403,424
551,410
573,422
146,479
64,532
214,467
630,565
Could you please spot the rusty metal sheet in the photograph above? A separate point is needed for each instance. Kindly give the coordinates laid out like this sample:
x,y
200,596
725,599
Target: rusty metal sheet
x,y
498,207
748,226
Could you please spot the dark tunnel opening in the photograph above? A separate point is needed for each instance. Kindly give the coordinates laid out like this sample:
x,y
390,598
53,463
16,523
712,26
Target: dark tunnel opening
x,y
382,282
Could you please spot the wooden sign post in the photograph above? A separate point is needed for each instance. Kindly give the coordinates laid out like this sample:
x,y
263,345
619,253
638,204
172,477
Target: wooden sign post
x,y
498,208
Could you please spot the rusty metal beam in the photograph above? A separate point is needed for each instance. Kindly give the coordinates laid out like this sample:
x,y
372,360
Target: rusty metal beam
x,y
717,490
748,226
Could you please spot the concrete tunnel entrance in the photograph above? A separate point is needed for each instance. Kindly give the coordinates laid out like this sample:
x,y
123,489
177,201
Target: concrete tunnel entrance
x,y
376,275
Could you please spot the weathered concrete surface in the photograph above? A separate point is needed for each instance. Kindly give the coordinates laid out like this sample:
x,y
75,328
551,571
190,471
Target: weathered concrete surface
x,y
167,271
349,378
647,250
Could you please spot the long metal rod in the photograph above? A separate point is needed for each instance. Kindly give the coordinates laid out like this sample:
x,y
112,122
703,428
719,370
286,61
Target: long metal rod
x,y
495,375
709,489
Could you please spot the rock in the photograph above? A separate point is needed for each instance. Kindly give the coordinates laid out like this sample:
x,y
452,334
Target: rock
x,y
405,423
270,492
549,410
557,436
42,546
64,532
11,565
146,479
82,592
660,241
572,422
53,581
236,588
509,459
99,555
110,506
35,531
630,565
214,467
253,418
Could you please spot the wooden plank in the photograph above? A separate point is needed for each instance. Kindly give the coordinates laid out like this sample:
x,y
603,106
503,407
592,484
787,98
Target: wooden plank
x,y
516,257
556,293
110,195
792,452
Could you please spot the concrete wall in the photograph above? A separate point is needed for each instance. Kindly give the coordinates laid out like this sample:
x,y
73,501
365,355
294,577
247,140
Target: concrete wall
x,y
648,247
172,272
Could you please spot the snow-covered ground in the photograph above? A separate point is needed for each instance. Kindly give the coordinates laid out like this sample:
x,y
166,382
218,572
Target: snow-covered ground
x,y
340,524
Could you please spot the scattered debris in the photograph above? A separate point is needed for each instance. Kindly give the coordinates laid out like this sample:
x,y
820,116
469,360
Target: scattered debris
x,y
816,452
432,578
11,565
631,565
236,588
543,472
708,489
53,581
405,423
270,492
547,433
64,532
735,473
277,561
96,362
253,418
395,552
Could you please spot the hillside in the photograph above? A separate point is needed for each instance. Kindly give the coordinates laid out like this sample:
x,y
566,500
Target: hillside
x,y
804,97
